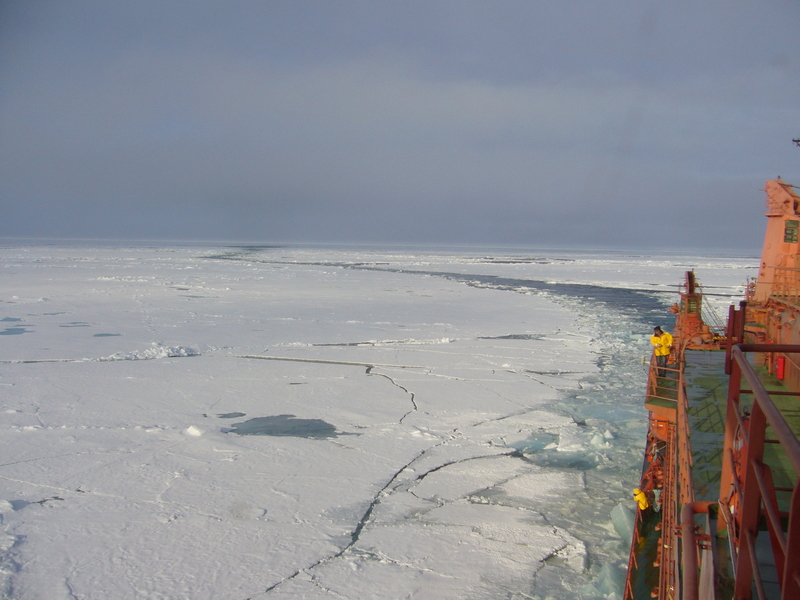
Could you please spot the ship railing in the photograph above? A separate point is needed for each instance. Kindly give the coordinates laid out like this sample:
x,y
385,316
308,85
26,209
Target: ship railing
x,y
682,470
786,284
633,562
653,387
683,430
661,387
668,575
676,473
749,497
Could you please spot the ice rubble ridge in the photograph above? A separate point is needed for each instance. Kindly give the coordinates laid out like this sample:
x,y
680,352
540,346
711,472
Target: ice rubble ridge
x,y
156,351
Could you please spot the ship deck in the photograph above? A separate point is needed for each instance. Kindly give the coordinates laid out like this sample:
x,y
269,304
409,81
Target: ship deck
x,y
706,389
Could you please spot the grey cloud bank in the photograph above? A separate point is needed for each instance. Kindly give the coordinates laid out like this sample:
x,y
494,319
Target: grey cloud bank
x,y
526,123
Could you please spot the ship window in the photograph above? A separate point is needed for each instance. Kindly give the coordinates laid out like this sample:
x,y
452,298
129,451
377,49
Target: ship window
x,y
791,230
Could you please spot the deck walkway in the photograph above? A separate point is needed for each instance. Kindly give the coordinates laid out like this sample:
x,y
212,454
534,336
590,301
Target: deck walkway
x,y
707,392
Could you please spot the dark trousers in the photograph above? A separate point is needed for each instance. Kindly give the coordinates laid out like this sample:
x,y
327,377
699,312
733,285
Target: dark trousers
x,y
661,362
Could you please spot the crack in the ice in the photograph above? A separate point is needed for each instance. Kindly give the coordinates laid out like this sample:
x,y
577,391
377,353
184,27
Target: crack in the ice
x,y
70,591
354,536
382,493
420,477
536,379
366,517
553,553
377,499
369,367
519,413
413,395
326,362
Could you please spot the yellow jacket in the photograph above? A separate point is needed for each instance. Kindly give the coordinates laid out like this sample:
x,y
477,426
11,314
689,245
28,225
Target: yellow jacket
x,y
641,499
662,343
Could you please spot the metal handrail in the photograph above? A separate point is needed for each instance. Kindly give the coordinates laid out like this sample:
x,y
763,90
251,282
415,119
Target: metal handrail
x,y
753,491
652,379
783,432
684,434
689,555
632,562
668,575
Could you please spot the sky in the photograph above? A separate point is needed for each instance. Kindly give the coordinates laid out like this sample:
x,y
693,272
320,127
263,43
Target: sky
x,y
530,123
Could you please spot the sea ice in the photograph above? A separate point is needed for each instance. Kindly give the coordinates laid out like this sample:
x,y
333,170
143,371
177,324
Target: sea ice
x,y
427,424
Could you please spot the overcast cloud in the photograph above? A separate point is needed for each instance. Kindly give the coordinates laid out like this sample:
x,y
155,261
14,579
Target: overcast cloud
x,y
536,123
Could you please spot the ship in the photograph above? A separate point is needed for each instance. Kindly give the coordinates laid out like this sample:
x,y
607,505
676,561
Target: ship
x,y
718,515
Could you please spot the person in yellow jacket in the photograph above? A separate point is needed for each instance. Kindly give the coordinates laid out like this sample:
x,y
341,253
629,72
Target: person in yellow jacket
x,y
641,499
662,346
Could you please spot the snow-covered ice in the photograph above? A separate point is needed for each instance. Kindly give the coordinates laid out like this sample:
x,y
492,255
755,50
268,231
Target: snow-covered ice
x,y
279,422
